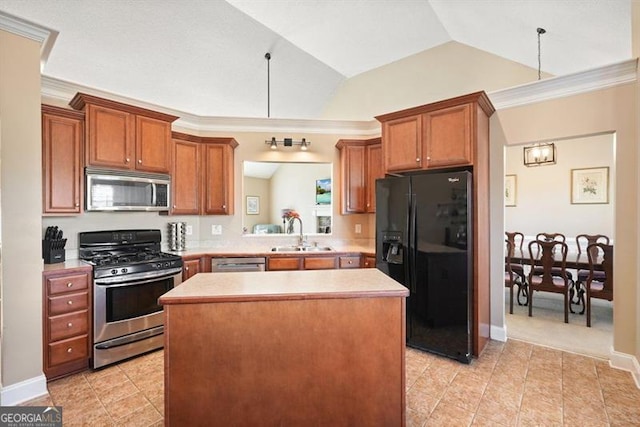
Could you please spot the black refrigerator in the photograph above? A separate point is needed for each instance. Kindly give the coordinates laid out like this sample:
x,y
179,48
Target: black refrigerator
x,y
424,241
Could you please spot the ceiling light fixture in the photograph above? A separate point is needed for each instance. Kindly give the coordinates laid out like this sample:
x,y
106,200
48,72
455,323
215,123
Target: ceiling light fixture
x,y
268,57
288,142
540,31
540,154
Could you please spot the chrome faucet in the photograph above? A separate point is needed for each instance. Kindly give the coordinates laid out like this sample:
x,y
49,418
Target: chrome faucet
x,y
301,239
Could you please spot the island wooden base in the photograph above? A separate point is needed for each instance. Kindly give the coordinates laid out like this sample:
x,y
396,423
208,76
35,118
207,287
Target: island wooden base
x,y
293,362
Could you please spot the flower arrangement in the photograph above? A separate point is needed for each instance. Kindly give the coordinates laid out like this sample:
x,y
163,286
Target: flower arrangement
x,y
289,214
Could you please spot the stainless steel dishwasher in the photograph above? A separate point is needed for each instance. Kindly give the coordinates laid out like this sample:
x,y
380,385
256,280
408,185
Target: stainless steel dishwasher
x,y
219,265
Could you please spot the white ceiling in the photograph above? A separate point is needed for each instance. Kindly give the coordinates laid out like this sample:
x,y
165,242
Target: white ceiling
x,y
206,57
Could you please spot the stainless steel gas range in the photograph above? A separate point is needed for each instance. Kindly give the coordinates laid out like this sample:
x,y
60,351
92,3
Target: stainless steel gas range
x,y
130,273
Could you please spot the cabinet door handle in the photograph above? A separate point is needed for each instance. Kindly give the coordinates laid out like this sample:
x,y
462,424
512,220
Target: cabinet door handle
x,y
69,325
428,158
186,268
174,206
70,284
417,159
349,262
70,302
69,350
77,204
224,206
126,160
140,161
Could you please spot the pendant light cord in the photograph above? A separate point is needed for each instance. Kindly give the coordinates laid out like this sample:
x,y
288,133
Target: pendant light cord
x,y
268,57
540,31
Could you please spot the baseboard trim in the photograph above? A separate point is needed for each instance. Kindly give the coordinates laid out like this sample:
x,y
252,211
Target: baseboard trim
x,y
499,333
627,362
23,391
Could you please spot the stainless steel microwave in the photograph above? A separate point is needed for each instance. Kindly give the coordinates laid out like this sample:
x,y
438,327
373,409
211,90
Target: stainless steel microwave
x,y
113,190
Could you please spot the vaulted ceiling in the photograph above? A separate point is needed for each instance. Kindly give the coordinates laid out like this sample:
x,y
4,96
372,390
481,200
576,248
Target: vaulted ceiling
x,y
207,57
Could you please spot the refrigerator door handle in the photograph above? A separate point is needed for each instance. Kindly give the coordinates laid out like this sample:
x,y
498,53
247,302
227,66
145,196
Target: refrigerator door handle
x,y
412,242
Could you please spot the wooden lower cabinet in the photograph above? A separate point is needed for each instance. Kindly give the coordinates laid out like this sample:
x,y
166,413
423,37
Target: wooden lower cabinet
x,y
284,263
313,262
191,267
368,261
66,321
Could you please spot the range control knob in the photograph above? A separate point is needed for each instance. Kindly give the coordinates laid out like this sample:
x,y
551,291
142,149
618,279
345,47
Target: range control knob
x,y
124,271
114,271
166,264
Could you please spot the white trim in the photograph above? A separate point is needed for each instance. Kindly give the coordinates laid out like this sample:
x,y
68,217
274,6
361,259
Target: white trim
x,y
567,85
542,90
21,27
499,333
65,91
24,391
627,362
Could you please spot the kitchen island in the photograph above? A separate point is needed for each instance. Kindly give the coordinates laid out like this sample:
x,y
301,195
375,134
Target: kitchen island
x,y
285,348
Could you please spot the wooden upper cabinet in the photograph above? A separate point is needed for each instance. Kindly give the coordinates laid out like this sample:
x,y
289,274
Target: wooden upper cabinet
x,y
433,136
122,136
402,149
360,165
153,145
185,178
110,137
202,175
62,141
215,164
375,170
447,137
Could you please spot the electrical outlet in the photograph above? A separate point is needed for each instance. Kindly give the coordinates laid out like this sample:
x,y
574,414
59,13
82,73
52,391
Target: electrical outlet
x,y
216,229
189,230
358,228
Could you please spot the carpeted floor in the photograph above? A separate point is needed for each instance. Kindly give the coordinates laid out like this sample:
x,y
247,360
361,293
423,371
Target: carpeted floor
x,y
546,327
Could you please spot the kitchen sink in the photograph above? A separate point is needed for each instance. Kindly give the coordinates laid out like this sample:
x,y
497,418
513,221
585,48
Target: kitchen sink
x,y
301,249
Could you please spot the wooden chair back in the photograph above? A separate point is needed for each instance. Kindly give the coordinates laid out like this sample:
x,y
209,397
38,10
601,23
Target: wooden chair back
x,y
584,240
601,259
551,236
542,254
516,239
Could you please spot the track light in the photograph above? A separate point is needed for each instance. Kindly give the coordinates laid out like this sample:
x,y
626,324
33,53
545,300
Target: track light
x,y
288,142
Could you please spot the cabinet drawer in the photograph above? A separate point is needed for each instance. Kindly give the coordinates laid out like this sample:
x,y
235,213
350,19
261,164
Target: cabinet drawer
x,y
68,325
68,303
58,285
349,262
319,263
283,263
69,350
369,262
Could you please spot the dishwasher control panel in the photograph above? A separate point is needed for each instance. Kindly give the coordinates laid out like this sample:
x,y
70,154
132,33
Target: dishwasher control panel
x,y
237,264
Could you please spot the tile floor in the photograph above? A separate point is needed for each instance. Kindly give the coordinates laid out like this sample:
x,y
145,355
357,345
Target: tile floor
x,y
512,384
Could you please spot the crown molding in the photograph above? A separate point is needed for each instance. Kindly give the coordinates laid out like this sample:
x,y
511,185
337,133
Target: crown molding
x,y
65,91
30,30
541,90
571,84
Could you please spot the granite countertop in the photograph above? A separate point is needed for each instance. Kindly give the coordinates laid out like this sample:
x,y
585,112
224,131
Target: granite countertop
x,y
66,265
284,285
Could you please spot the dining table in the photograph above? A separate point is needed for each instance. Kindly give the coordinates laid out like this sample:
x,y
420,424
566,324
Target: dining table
x,y
574,260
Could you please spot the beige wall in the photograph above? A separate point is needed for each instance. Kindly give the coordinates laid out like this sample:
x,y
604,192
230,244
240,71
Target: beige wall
x,y
448,70
21,205
611,110
544,193
257,187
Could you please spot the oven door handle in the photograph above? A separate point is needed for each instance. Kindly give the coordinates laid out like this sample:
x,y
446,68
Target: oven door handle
x,y
113,282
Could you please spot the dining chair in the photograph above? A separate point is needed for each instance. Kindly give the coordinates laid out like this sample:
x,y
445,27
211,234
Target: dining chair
x,y
598,285
582,241
516,240
543,276
511,278
559,237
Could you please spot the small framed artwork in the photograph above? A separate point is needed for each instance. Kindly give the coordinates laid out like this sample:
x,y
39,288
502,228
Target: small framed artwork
x,y
590,186
253,205
510,190
323,191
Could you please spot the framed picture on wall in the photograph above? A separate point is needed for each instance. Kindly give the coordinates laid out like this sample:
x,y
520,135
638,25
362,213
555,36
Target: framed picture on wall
x,y
323,191
590,186
510,189
253,205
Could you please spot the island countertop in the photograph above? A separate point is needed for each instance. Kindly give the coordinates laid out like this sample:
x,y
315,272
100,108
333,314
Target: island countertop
x,y
284,285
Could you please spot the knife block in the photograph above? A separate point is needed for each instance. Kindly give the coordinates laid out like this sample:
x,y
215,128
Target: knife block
x,y
53,251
